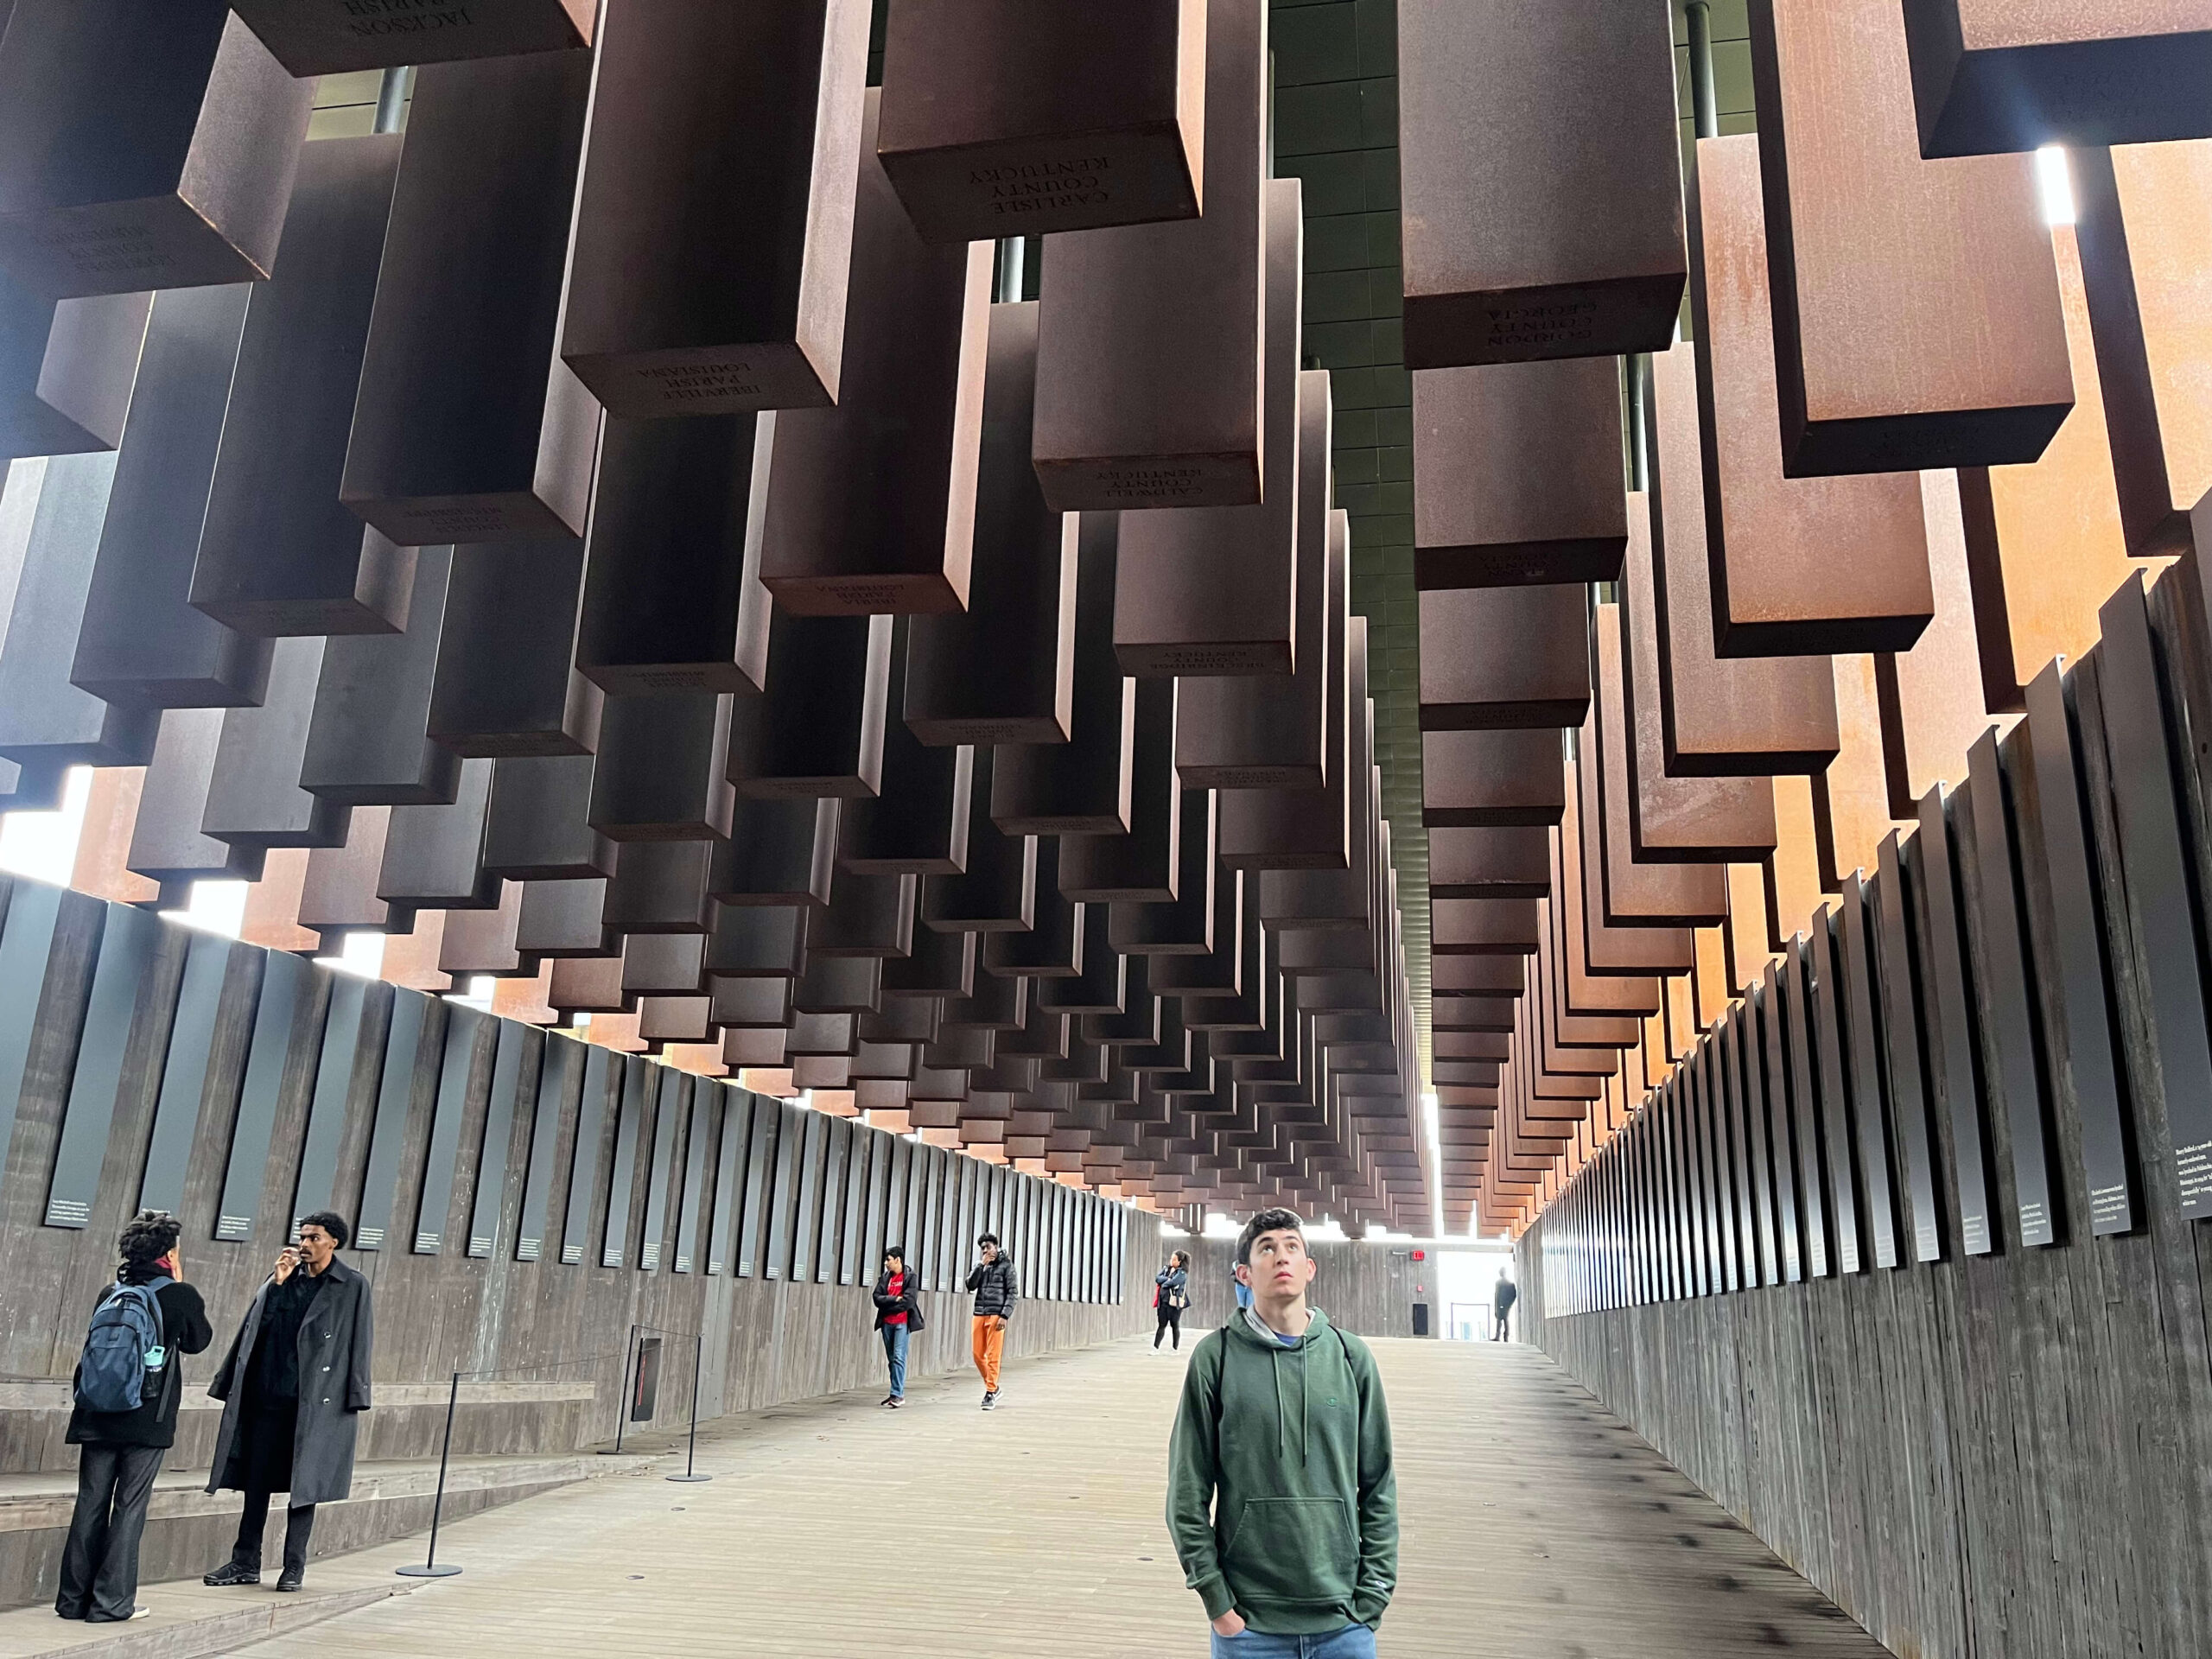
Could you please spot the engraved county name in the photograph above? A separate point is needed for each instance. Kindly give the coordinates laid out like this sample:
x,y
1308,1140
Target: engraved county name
x,y
1038,187
373,18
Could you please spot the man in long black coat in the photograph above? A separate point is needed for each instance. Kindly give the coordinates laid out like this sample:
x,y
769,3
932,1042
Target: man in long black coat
x,y
292,1385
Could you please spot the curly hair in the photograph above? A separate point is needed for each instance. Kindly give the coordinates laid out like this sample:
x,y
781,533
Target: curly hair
x,y
147,1237
1268,1221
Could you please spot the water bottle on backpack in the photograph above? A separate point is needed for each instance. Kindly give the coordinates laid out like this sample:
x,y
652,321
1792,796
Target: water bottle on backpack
x,y
124,1351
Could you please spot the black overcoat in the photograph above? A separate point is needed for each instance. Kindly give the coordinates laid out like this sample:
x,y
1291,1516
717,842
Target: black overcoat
x,y
337,1341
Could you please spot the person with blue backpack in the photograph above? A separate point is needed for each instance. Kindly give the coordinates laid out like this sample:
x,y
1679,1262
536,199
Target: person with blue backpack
x,y
128,1386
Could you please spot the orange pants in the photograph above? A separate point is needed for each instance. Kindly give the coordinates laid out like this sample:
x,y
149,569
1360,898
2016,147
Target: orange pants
x,y
990,1348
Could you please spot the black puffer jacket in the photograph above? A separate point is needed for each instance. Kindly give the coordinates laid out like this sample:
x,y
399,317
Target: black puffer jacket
x,y
996,1289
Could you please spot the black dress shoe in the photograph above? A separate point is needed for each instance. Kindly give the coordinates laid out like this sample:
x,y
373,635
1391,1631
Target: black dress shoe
x,y
231,1572
291,1578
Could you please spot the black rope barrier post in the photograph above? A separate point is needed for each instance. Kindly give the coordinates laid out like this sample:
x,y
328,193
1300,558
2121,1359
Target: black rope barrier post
x,y
622,1415
430,1569
692,1450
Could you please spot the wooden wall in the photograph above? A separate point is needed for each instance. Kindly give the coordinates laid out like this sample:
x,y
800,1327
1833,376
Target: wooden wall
x,y
2006,1453
766,1339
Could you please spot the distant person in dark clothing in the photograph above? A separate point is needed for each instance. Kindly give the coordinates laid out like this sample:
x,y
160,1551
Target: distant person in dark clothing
x,y
1171,1295
996,1290
121,1451
898,1314
292,1388
1501,1304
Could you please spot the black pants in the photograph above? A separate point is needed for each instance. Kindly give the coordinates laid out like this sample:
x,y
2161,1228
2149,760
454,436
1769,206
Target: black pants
x,y
1501,1315
1170,1318
99,1564
254,1523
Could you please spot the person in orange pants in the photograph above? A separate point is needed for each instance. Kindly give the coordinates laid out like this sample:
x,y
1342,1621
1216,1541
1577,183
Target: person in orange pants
x,y
992,1282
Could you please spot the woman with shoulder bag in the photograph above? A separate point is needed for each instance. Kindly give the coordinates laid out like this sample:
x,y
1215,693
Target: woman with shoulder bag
x,y
1171,1295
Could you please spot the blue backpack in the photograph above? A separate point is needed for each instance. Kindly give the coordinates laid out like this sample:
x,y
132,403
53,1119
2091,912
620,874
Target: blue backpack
x,y
123,1348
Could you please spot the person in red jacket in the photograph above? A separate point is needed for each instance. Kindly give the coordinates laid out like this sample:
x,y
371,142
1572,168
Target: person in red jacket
x,y
898,1314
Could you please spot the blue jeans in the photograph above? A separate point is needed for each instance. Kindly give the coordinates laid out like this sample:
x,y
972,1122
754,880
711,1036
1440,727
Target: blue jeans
x,y
1353,1642
894,1350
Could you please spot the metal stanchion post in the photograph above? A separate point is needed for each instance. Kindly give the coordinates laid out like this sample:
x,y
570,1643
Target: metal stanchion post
x,y
690,1451
430,1569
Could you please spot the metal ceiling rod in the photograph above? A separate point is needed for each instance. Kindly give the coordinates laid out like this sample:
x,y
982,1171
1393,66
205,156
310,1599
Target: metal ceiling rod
x,y
1704,106
1010,270
391,99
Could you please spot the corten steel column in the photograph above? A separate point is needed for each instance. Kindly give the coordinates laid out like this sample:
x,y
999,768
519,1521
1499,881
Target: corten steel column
x,y
1718,718
67,369
1850,797
368,740
47,723
1005,119
1264,731
779,852
1140,866
1634,953
1670,895
1148,373
817,728
1212,591
1314,830
506,686
1773,540
468,428
537,828
663,768
254,798
1542,192
714,227
2047,543
340,891
1991,75
1491,779
917,823
166,843
1916,318
1704,819
141,641
331,37
1500,658
997,892
1930,696
2144,242
672,599
1082,786
145,143
874,507
1489,863
279,554
434,855
1517,475
1003,670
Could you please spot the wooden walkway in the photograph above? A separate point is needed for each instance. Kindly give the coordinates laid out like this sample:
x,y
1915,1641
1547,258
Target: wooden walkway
x,y
1535,1525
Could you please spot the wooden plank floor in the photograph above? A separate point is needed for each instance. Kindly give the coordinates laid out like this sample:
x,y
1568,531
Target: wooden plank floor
x,y
1535,1524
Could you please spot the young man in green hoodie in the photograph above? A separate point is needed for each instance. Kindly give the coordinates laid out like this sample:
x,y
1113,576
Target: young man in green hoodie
x,y
1280,1492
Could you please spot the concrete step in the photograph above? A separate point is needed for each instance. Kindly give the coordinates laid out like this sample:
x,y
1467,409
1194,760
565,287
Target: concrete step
x,y
190,1624
494,1418
189,1530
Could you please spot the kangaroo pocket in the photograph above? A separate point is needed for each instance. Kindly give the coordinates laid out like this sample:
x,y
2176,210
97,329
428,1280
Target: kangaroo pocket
x,y
1293,1551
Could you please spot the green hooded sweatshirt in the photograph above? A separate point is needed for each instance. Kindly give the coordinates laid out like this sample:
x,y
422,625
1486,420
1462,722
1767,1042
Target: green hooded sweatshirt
x,y
1280,1492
